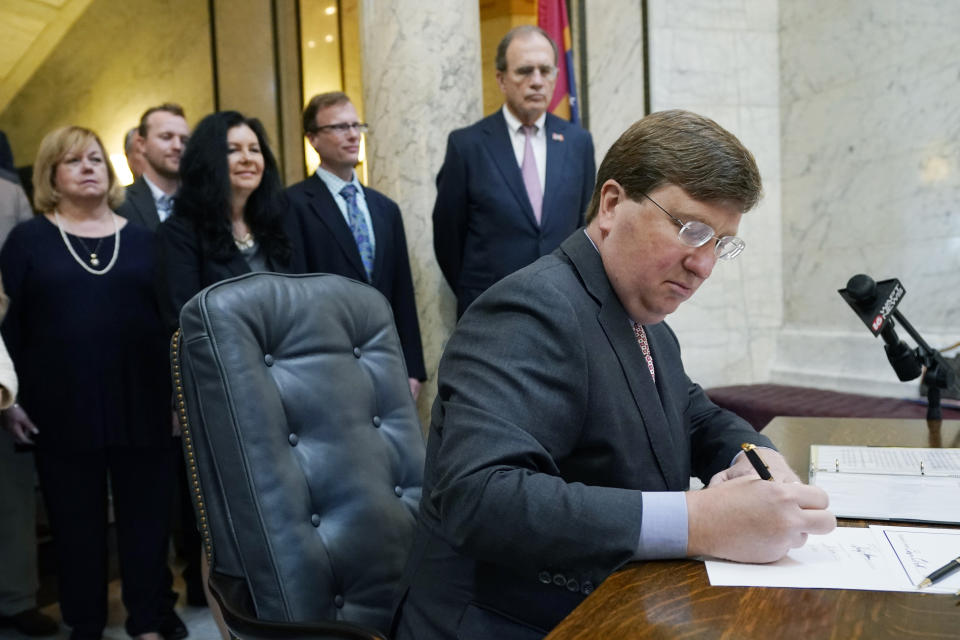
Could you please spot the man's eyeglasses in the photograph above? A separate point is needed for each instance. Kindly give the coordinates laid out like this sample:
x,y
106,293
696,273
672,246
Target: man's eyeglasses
x,y
344,128
696,234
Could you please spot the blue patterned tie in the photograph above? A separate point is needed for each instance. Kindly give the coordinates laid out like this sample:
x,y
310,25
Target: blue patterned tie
x,y
164,207
361,233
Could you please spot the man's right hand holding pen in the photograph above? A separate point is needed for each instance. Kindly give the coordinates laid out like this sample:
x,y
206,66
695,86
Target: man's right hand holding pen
x,y
740,517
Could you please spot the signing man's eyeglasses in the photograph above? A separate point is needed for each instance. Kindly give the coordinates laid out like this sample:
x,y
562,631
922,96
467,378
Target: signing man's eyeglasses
x,y
696,234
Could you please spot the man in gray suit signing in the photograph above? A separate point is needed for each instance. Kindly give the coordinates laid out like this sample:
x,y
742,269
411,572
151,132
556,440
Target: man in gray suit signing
x,y
565,429
163,134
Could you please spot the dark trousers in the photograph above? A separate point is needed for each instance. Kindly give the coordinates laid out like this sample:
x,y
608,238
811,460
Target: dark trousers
x,y
186,537
75,491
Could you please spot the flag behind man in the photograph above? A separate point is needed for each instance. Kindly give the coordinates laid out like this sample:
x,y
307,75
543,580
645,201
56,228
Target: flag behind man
x,y
552,18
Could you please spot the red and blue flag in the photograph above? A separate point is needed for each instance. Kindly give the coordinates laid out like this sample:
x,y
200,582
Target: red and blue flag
x,y
552,18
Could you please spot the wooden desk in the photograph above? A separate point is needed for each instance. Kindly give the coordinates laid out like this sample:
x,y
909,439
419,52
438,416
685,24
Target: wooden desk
x,y
675,600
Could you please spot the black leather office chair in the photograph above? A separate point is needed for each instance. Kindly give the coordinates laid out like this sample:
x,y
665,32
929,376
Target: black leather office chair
x,y
304,452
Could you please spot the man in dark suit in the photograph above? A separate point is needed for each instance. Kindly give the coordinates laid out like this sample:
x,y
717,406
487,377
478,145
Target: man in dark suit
x,y
565,429
163,134
515,184
351,230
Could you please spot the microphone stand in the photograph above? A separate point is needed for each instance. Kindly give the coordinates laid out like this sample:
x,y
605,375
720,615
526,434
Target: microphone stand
x,y
936,376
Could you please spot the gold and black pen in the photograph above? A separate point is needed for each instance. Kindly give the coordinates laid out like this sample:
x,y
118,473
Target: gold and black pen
x,y
751,452
940,574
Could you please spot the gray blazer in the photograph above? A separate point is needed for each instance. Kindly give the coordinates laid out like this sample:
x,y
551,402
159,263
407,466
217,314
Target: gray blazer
x,y
14,207
139,206
546,428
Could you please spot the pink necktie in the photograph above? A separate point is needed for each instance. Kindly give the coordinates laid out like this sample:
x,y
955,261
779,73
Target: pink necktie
x,y
645,348
531,178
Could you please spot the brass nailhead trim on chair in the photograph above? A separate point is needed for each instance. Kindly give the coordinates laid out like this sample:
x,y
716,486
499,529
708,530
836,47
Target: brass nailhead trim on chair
x,y
188,444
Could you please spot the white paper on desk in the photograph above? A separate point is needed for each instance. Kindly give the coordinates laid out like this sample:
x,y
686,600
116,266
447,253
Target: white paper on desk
x,y
846,558
886,497
921,551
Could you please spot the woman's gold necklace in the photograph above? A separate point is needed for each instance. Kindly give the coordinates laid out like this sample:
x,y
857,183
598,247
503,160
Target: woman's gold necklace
x,y
94,260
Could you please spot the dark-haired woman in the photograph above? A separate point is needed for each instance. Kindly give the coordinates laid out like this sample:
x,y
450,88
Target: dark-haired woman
x,y
228,215
227,219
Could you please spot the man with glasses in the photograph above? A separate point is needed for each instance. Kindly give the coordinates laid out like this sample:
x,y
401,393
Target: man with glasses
x,y
515,184
351,230
565,429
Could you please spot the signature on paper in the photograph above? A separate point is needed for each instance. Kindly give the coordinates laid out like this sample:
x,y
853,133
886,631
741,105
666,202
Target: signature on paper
x,y
867,552
914,556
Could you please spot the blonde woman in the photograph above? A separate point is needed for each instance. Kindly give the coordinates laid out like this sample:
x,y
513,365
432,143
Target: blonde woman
x,y
85,335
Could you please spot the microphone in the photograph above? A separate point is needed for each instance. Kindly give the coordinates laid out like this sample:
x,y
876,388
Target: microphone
x,y
876,305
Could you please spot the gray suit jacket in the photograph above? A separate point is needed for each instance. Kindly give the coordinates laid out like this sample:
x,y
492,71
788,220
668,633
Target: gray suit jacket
x,y
546,428
139,206
14,207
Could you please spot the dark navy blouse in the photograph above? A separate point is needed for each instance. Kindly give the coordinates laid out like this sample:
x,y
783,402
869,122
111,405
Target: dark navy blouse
x,y
90,350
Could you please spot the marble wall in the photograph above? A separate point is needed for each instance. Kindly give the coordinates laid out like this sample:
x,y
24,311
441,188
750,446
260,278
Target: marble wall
x,y
143,54
421,77
719,58
871,182
615,83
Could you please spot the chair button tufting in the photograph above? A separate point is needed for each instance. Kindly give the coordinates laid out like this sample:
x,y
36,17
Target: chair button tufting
x,y
398,490
573,585
545,577
338,600
356,352
315,520
376,421
293,439
559,580
268,360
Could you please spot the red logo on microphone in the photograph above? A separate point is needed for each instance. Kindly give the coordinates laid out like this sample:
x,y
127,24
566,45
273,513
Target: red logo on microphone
x,y
877,323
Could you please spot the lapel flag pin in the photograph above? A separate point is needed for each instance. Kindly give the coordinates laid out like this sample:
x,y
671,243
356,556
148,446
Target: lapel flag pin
x,y
558,137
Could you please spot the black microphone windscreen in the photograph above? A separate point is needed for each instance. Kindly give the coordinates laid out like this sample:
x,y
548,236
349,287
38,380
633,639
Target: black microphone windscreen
x,y
862,288
872,301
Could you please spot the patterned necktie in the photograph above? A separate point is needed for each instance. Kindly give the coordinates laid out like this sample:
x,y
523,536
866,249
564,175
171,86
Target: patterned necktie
x,y
164,207
361,233
531,177
645,348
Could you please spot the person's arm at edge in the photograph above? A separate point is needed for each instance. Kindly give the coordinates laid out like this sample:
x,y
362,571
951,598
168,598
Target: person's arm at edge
x,y
15,263
450,211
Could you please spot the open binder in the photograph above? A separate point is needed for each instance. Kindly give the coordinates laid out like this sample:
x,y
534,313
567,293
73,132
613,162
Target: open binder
x,y
889,483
